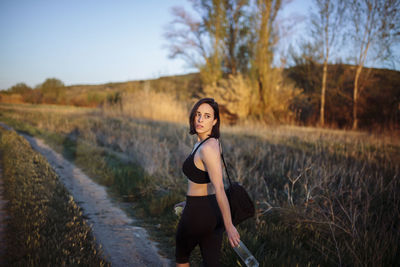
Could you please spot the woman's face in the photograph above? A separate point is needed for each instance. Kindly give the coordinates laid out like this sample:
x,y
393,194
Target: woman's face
x,y
204,119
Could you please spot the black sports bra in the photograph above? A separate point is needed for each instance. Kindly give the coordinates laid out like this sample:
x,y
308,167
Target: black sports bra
x,y
193,173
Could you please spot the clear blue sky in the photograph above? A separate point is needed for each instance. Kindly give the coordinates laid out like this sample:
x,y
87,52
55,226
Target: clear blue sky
x,y
84,41
89,41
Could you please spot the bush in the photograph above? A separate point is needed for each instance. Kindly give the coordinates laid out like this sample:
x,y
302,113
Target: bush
x,y
234,93
53,91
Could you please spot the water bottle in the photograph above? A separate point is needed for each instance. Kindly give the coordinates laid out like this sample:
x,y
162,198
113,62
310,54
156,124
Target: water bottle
x,y
245,255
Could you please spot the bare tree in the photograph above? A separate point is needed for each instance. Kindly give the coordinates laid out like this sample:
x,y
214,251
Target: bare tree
x,y
374,29
327,25
237,36
187,38
209,39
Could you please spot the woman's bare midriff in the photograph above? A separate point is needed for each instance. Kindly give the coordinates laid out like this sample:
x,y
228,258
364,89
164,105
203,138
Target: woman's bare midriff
x,y
200,189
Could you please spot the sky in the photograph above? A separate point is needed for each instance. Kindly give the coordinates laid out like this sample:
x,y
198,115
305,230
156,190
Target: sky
x,y
90,41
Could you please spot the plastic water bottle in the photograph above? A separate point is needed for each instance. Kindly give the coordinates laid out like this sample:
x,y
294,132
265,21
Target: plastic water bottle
x,y
245,255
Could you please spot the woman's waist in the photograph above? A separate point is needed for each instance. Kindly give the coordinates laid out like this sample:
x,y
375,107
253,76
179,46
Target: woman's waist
x,y
200,189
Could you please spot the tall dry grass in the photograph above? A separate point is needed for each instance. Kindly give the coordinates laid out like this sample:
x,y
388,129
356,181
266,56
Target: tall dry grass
x,y
324,196
11,98
342,195
46,226
149,105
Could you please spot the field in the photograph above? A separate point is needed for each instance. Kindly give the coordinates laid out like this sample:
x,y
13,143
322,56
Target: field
x,y
324,197
45,226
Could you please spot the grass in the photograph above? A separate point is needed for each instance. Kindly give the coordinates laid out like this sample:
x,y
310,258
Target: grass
x,y
45,227
324,197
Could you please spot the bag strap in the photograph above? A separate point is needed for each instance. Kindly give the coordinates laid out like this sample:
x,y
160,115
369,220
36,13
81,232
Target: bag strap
x,y
200,145
226,169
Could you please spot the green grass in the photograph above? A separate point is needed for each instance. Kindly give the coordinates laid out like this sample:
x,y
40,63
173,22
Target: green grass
x,y
340,210
45,226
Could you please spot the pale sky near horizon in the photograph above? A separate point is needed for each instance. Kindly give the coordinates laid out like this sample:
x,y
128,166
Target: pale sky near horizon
x,y
87,41
91,41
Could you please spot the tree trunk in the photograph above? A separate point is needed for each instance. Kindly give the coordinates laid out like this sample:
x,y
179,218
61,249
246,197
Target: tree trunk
x,y
355,97
323,89
261,94
231,46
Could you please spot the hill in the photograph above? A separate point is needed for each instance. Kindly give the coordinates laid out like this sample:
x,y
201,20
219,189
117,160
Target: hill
x,y
379,103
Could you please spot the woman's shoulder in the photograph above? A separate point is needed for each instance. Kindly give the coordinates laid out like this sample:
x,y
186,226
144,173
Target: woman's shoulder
x,y
212,141
210,146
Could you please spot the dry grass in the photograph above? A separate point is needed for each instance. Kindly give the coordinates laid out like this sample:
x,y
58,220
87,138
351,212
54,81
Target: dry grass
x,y
149,105
46,226
324,196
11,98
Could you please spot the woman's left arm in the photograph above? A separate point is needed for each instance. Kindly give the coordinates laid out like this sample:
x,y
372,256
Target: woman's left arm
x,y
211,158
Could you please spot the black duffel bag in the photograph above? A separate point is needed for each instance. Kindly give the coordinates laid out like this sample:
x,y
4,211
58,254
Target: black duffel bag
x,y
241,205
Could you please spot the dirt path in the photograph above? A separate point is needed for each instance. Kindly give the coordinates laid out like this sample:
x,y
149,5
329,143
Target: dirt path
x,y
124,244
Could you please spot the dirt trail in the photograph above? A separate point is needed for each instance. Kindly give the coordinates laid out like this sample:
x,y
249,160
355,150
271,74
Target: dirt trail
x,y
124,244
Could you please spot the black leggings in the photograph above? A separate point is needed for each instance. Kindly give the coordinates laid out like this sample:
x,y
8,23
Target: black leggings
x,y
201,223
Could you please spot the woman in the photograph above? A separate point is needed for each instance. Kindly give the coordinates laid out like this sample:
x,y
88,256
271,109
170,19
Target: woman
x,y
206,211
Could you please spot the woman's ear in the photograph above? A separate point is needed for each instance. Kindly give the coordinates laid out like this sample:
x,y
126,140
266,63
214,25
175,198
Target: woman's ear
x,y
215,121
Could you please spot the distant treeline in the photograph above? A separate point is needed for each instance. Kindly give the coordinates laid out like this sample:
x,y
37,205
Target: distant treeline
x,y
379,102
379,99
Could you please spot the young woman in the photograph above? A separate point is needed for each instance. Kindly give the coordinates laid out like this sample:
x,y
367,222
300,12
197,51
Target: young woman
x,y
206,212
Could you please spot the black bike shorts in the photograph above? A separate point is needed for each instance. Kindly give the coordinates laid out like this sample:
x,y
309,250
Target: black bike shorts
x,y
201,223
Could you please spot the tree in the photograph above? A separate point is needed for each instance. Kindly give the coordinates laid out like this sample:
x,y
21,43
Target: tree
x,y
305,71
213,40
232,43
265,76
52,90
214,23
198,39
20,88
327,25
374,30
237,37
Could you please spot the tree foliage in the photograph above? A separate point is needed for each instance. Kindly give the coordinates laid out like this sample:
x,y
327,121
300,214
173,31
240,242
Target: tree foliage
x,y
232,43
214,39
20,88
234,93
265,76
52,90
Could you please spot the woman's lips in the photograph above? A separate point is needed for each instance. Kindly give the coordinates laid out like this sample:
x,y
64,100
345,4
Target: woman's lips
x,y
199,126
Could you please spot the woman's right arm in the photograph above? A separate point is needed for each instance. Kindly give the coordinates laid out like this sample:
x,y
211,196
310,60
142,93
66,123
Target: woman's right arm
x,y
212,161
180,204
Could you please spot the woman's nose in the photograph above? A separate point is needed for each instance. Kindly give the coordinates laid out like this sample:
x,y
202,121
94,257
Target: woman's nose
x,y
200,119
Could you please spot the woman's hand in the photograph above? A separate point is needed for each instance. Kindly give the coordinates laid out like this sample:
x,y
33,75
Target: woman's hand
x,y
178,208
180,204
233,236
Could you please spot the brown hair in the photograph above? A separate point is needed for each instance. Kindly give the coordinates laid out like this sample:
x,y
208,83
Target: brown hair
x,y
214,105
